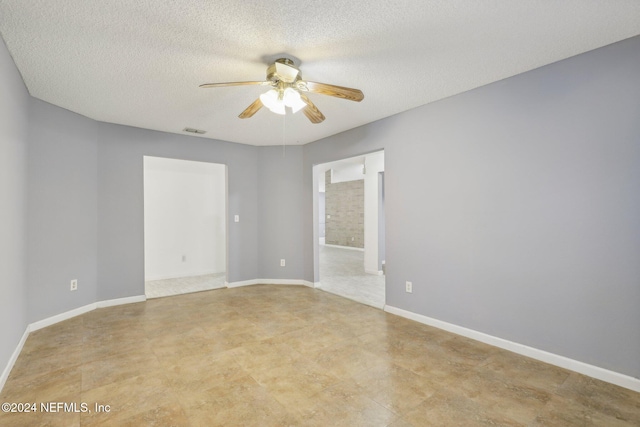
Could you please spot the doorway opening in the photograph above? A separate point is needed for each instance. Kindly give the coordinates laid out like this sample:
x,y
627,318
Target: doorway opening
x,y
185,244
349,228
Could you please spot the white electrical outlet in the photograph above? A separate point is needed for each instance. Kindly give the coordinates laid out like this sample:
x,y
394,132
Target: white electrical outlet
x,y
353,239
184,258
236,218
74,285
282,263
409,287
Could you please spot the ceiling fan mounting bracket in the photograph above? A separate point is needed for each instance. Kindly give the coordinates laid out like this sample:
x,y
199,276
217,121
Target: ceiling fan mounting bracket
x,y
286,61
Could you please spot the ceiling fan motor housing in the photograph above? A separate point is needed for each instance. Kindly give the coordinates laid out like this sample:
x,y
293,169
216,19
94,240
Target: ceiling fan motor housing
x,y
284,70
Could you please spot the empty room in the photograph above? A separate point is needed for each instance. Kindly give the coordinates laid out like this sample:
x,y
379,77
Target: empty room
x,y
415,213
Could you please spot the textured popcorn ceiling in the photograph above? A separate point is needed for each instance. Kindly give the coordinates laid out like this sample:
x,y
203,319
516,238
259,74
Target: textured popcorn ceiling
x,y
139,62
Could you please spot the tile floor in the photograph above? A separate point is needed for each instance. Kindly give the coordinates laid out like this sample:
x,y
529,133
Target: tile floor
x,y
342,273
183,285
270,355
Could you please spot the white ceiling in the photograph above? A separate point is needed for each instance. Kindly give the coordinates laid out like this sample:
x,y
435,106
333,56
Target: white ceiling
x,y
139,62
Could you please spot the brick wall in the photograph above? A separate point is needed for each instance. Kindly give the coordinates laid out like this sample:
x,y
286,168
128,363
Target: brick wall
x,y
344,202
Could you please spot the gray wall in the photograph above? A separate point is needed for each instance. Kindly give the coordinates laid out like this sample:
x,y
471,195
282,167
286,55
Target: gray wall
x,y
120,202
280,223
514,208
62,210
14,112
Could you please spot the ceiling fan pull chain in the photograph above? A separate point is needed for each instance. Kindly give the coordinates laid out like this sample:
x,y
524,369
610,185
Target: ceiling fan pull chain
x,y
284,128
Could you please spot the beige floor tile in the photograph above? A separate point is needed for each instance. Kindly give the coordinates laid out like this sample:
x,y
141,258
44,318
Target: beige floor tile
x,y
166,415
311,339
346,359
604,398
197,372
264,355
271,355
504,394
562,412
294,384
344,404
535,373
127,398
40,418
48,360
117,368
396,388
450,409
55,385
241,402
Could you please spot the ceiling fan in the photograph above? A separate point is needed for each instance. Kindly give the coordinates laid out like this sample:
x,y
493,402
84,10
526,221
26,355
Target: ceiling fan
x,y
288,90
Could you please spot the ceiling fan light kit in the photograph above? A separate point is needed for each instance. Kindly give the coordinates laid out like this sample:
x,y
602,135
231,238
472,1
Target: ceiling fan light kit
x,y
287,86
277,100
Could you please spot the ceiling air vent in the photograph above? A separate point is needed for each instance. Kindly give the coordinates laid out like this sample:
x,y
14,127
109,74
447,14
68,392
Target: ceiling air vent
x,y
192,130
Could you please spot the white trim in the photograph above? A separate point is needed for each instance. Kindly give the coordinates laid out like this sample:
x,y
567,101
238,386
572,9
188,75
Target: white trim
x,y
269,282
84,309
351,248
61,317
121,301
544,356
317,284
374,272
181,275
241,283
13,358
285,282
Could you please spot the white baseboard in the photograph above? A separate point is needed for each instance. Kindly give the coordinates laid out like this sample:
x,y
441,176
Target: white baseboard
x,y
84,309
554,359
181,275
241,283
59,318
121,301
351,248
13,358
374,272
285,282
269,282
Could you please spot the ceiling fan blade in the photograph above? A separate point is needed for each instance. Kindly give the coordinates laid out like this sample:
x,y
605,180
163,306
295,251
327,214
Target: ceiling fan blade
x,y
337,91
207,85
251,109
311,111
